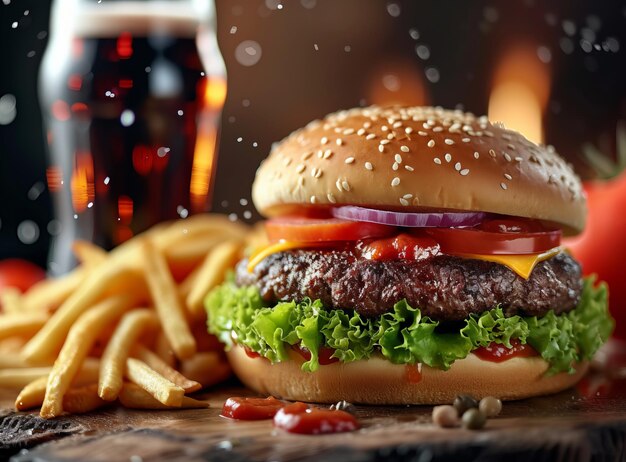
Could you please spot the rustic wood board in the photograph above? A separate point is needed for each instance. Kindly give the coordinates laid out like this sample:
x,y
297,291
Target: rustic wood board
x,y
586,423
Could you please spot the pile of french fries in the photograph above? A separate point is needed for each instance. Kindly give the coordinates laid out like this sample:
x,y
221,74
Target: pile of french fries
x,y
126,326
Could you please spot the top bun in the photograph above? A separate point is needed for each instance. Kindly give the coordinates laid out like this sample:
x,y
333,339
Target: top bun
x,y
418,158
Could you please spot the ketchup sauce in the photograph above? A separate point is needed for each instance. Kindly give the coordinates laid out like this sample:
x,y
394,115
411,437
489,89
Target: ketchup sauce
x,y
324,354
251,408
303,419
498,353
403,246
413,373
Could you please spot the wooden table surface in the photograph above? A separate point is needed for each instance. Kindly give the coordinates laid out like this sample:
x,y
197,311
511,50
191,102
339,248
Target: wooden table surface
x,y
585,423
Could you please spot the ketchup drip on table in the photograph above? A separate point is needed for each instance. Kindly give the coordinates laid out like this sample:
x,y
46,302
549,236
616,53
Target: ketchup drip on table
x,y
303,419
251,408
498,353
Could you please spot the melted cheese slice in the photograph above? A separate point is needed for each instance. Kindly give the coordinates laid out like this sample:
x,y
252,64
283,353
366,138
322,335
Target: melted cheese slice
x,y
522,265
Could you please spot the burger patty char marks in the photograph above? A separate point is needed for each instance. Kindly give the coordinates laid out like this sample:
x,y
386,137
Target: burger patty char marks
x,y
445,288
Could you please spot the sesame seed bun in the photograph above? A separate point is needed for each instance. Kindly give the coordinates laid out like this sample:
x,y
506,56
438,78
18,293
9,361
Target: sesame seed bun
x,y
378,381
418,158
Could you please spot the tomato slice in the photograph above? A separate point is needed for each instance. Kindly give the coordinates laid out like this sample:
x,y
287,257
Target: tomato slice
x,y
498,237
299,229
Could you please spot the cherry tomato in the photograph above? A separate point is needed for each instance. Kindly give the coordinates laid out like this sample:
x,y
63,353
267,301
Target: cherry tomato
x,y
403,246
602,245
303,419
251,408
19,273
300,229
498,353
497,237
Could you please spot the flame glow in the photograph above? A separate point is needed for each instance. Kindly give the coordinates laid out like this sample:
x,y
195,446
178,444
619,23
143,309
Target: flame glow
x,y
520,92
82,183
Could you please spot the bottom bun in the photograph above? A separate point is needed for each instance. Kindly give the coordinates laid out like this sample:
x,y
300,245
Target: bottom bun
x,y
378,381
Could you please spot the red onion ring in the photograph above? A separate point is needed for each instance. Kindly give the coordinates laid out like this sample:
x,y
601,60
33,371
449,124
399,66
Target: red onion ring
x,y
409,220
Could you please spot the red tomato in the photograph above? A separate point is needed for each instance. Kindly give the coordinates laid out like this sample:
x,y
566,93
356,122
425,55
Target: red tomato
x,y
251,408
300,418
601,248
498,353
19,273
300,229
497,237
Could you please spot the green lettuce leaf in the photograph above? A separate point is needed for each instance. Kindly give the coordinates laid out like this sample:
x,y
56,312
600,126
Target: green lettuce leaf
x,y
403,336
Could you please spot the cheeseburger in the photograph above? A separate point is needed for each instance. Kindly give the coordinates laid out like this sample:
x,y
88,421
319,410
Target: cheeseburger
x,y
414,254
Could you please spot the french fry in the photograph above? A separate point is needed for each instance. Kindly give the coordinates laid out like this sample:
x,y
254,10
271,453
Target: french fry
x,y
118,349
82,399
163,350
184,288
207,368
154,383
80,339
11,300
202,225
135,397
19,378
158,365
48,340
49,294
23,324
15,361
185,256
211,273
87,253
167,302
32,395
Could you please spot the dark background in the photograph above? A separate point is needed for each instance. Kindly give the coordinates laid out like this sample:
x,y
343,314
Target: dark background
x,y
319,56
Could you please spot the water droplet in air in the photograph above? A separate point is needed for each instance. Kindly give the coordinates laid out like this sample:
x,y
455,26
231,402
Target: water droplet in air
x,y
391,82
127,118
423,52
163,151
28,232
180,112
414,33
8,109
393,9
248,53
35,191
544,54
432,74
233,30
54,227
308,4
14,25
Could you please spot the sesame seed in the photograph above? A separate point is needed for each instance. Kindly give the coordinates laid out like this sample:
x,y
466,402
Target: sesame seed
x,y
511,146
339,141
320,153
384,141
466,140
438,129
390,136
313,199
300,181
431,144
492,153
476,155
426,125
348,131
421,133
300,168
457,166
408,130
349,160
381,147
327,154
397,124
324,140
407,196
398,158
367,124
409,168
384,128
518,159
338,184
488,133
395,166
369,166
331,198
464,172
403,201
507,157
507,176
437,160
306,155
286,162
404,148
360,131
346,185
503,186
395,181
448,141
448,157
371,136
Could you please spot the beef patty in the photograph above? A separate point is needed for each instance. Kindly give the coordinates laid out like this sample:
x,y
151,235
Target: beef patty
x,y
445,288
